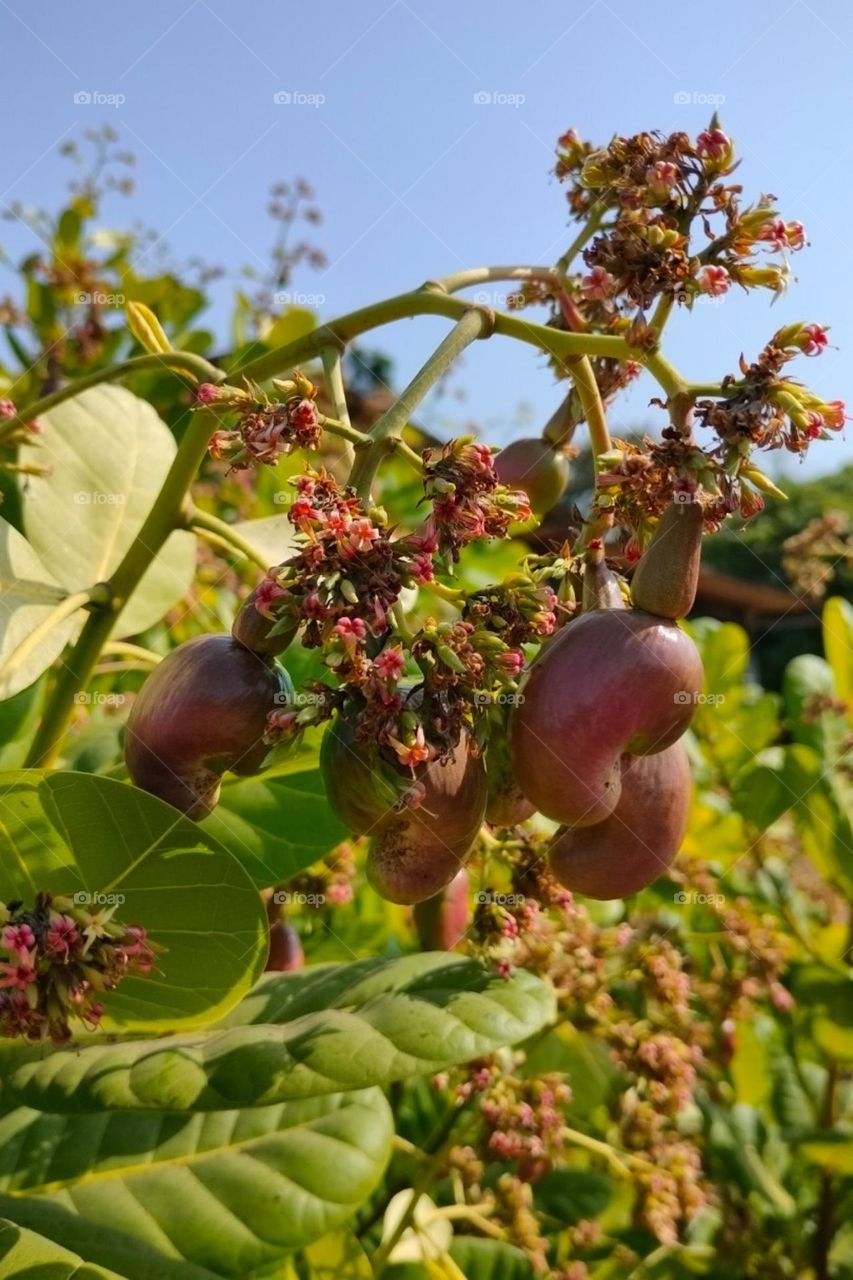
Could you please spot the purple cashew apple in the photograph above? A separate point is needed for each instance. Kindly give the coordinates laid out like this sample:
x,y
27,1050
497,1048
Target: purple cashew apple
x,y
286,953
614,682
507,805
667,575
441,922
201,711
639,840
417,849
252,629
536,467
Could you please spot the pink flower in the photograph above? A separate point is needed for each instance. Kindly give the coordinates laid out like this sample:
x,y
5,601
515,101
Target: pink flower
x,y
812,339
18,939
414,753
360,534
834,414
714,280
713,143
663,174
422,569
354,627
775,233
7,409
18,974
61,936
795,234
302,512
207,393
267,594
598,284
390,663
511,662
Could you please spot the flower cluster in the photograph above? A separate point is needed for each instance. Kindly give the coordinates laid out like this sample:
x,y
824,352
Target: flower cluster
x,y
266,429
56,960
467,501
811,556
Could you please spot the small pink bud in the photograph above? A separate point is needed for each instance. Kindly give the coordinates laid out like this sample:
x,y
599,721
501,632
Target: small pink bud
x,y
598,285
7,409
207,393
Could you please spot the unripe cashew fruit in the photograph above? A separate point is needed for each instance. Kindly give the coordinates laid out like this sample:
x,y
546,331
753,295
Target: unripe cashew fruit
x,y
252,629
601,588
667,575
611,683
442,921
201,711
415,851
641,837
537,468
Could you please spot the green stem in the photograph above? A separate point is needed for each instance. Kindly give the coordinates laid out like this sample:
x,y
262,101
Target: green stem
x,y
428,301
58,613
482,275
585,234
122,649
164,516
582,376
663,372
204,522
342,429
334,376
195,365
474,323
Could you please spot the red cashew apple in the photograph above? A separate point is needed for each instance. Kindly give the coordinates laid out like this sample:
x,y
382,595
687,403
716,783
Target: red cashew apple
x,y
417,849
611,683
442,921
537,468
201,711
667,575
639,840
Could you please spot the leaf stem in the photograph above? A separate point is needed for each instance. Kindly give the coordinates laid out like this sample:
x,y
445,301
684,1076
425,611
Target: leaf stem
x,y
187,361
204,522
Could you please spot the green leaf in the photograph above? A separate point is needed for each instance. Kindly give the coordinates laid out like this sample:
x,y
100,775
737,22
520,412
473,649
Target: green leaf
x,y
724,647
572,1194
294,323
277,825
27,1256
302,1035
838,644
776,783
835,1154
228,1191
489,1259
68,833
338,1257
109,454
272,536
28,592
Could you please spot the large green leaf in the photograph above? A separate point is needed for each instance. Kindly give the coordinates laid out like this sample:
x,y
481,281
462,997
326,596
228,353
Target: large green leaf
x,y
74,833
229,1191
276,825
776,783
24,1255
28,592
298,1036
272,536
108,453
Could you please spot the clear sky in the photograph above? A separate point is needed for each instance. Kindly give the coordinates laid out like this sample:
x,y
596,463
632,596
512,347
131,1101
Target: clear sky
x,y
416,177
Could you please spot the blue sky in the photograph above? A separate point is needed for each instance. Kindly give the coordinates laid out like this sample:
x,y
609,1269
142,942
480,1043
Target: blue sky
x,y
417,178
